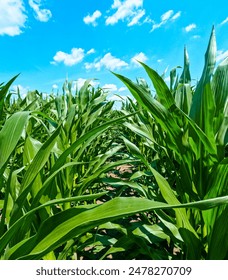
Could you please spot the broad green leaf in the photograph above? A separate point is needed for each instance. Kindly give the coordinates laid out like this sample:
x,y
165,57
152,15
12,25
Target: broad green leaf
x,y
37,164
162,90
159,112
15,228
183,97
198,109
10,135
220,86
31,147
166,191
84,95
218,242
70,223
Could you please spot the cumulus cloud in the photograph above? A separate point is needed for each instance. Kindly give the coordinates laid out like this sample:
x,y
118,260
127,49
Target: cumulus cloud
x,y
69,59
108,61
91,19
167,17
40,14
129,10
139,57
190,27
12,17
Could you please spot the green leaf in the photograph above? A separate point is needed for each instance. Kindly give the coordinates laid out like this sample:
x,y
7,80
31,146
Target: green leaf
x,y
10,135
37,164
16,227
71,223
185,77
3,91
198,109
159,112
162,90
84,95
218,242
85,140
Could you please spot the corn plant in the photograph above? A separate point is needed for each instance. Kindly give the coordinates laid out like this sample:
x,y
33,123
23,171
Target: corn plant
x,y
192,126
57,198
41,147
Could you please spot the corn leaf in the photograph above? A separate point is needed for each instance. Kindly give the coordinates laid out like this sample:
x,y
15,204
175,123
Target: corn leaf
x,y
71,223
10,135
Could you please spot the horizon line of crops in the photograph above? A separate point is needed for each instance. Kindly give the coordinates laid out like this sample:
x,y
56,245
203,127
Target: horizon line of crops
x,y
62,196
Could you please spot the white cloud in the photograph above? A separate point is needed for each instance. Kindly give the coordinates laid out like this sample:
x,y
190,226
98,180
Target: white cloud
x,y
148,20
224,22
110,87
176,16
92,19
108,61
91,51
157,25
165,18
122,89
129,10
139,57
12,17
221,55
167,15
40,14
190,27
55,86
135,19
76,56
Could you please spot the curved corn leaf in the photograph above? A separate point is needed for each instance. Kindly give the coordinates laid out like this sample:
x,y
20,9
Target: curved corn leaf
x,y
10,135
159,112
37,164
15,228
162,90
71,223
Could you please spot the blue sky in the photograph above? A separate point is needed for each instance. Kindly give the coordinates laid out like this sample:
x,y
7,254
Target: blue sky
x,y
49,40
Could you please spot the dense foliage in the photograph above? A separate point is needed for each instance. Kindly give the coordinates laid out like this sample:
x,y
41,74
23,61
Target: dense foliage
x,y
80,180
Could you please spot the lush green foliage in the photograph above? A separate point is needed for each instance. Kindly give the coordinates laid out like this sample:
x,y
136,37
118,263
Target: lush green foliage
x,y
63,194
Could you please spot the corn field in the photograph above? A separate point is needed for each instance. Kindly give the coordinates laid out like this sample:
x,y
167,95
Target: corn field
x,y
81,180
